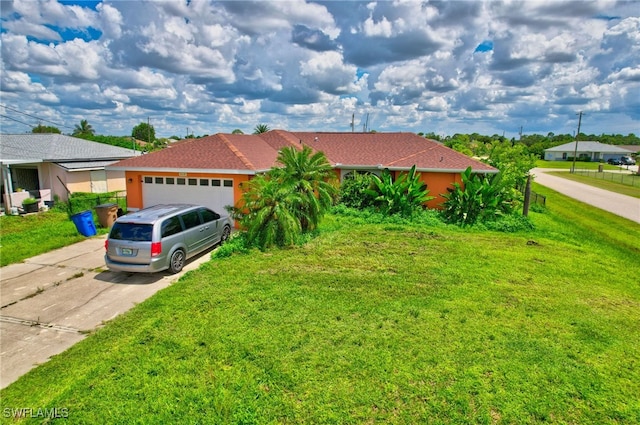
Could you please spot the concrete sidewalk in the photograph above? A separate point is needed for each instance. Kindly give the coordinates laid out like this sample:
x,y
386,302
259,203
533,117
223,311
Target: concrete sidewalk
x,y
51,301
616,203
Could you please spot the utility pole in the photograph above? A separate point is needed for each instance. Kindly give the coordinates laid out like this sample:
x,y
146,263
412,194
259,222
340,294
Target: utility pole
x,y
575,151
520,133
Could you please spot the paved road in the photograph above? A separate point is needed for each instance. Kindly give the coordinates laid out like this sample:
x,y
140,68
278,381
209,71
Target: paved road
x,y
50,302
622,205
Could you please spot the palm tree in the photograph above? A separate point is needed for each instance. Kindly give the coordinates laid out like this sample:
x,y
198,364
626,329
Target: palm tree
x,y
261,128
277,206
84,129
310,175
266,213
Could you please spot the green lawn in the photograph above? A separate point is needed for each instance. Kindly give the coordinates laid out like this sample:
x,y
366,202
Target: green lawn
x,y
380,323
566,165
25,236
626,184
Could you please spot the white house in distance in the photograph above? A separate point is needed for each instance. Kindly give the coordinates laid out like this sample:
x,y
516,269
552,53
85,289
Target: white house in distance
x,y
592,151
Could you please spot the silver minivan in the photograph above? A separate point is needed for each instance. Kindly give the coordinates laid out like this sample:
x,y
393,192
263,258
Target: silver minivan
x,y
163,237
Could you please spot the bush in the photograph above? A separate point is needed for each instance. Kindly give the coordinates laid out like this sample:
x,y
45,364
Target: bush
x,y
509,224
405,195
237,243
353,191
484,198
83,201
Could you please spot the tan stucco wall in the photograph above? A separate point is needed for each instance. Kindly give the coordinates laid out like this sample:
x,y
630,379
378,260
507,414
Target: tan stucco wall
x,y
76,181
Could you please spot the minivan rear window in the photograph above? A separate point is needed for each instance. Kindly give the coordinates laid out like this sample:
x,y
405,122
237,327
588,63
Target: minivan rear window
x,y
131,232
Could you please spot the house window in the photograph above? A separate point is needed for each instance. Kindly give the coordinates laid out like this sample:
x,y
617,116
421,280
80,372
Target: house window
x,y
148,180
170,180
180,181
159,180
228,183
193,182
564,155
215,182
204,182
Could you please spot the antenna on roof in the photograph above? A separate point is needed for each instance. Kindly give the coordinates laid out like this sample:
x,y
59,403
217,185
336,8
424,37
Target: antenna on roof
x,y
365,127
353,116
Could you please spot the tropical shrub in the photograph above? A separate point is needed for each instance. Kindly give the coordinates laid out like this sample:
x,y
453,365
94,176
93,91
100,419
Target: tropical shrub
x,y
279,206
403,196
353,191
479,198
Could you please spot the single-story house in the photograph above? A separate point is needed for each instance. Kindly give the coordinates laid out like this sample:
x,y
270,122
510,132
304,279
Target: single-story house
x,y
210,170
45,165
633,149
593,151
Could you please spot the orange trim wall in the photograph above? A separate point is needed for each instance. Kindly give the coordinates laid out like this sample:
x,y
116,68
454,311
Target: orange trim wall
x,y
437,183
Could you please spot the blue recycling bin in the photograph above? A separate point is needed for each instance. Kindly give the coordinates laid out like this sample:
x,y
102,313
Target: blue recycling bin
x,y
84,223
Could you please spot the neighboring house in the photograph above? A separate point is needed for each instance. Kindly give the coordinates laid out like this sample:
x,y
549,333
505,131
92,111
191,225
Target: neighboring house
x,y
633,149
210,170
45,165
592,151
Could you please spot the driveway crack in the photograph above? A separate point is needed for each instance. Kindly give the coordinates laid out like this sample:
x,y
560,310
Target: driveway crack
x,y
35,323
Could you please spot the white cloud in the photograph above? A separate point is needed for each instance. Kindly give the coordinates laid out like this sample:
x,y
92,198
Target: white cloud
x,y
211,65
23,27
111,20
382,28
328,72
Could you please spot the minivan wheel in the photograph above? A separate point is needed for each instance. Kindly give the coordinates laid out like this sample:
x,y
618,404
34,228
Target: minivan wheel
x,y
177,261
225,234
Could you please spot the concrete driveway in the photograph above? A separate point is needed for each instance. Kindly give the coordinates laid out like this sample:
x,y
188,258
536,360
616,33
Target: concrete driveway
x,y
51,301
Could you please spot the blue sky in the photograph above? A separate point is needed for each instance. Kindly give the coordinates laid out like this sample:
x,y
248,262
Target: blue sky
x,y
490,67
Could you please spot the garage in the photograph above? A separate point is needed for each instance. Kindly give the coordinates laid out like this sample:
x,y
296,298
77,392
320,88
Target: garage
x,y
215,193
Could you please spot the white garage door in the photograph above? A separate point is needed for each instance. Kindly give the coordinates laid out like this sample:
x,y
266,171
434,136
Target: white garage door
x,y
212,193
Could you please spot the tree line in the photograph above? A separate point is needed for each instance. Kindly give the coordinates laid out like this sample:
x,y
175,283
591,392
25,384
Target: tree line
x,y
479,145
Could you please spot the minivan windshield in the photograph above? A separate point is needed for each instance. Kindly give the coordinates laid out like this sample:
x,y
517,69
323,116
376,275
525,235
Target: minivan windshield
x,y
131,232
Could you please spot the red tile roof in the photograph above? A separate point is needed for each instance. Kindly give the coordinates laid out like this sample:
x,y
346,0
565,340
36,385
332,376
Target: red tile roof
x,y
255,153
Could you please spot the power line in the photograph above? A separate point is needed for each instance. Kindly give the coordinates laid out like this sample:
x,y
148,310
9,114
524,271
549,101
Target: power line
x,y
33,116
13,119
